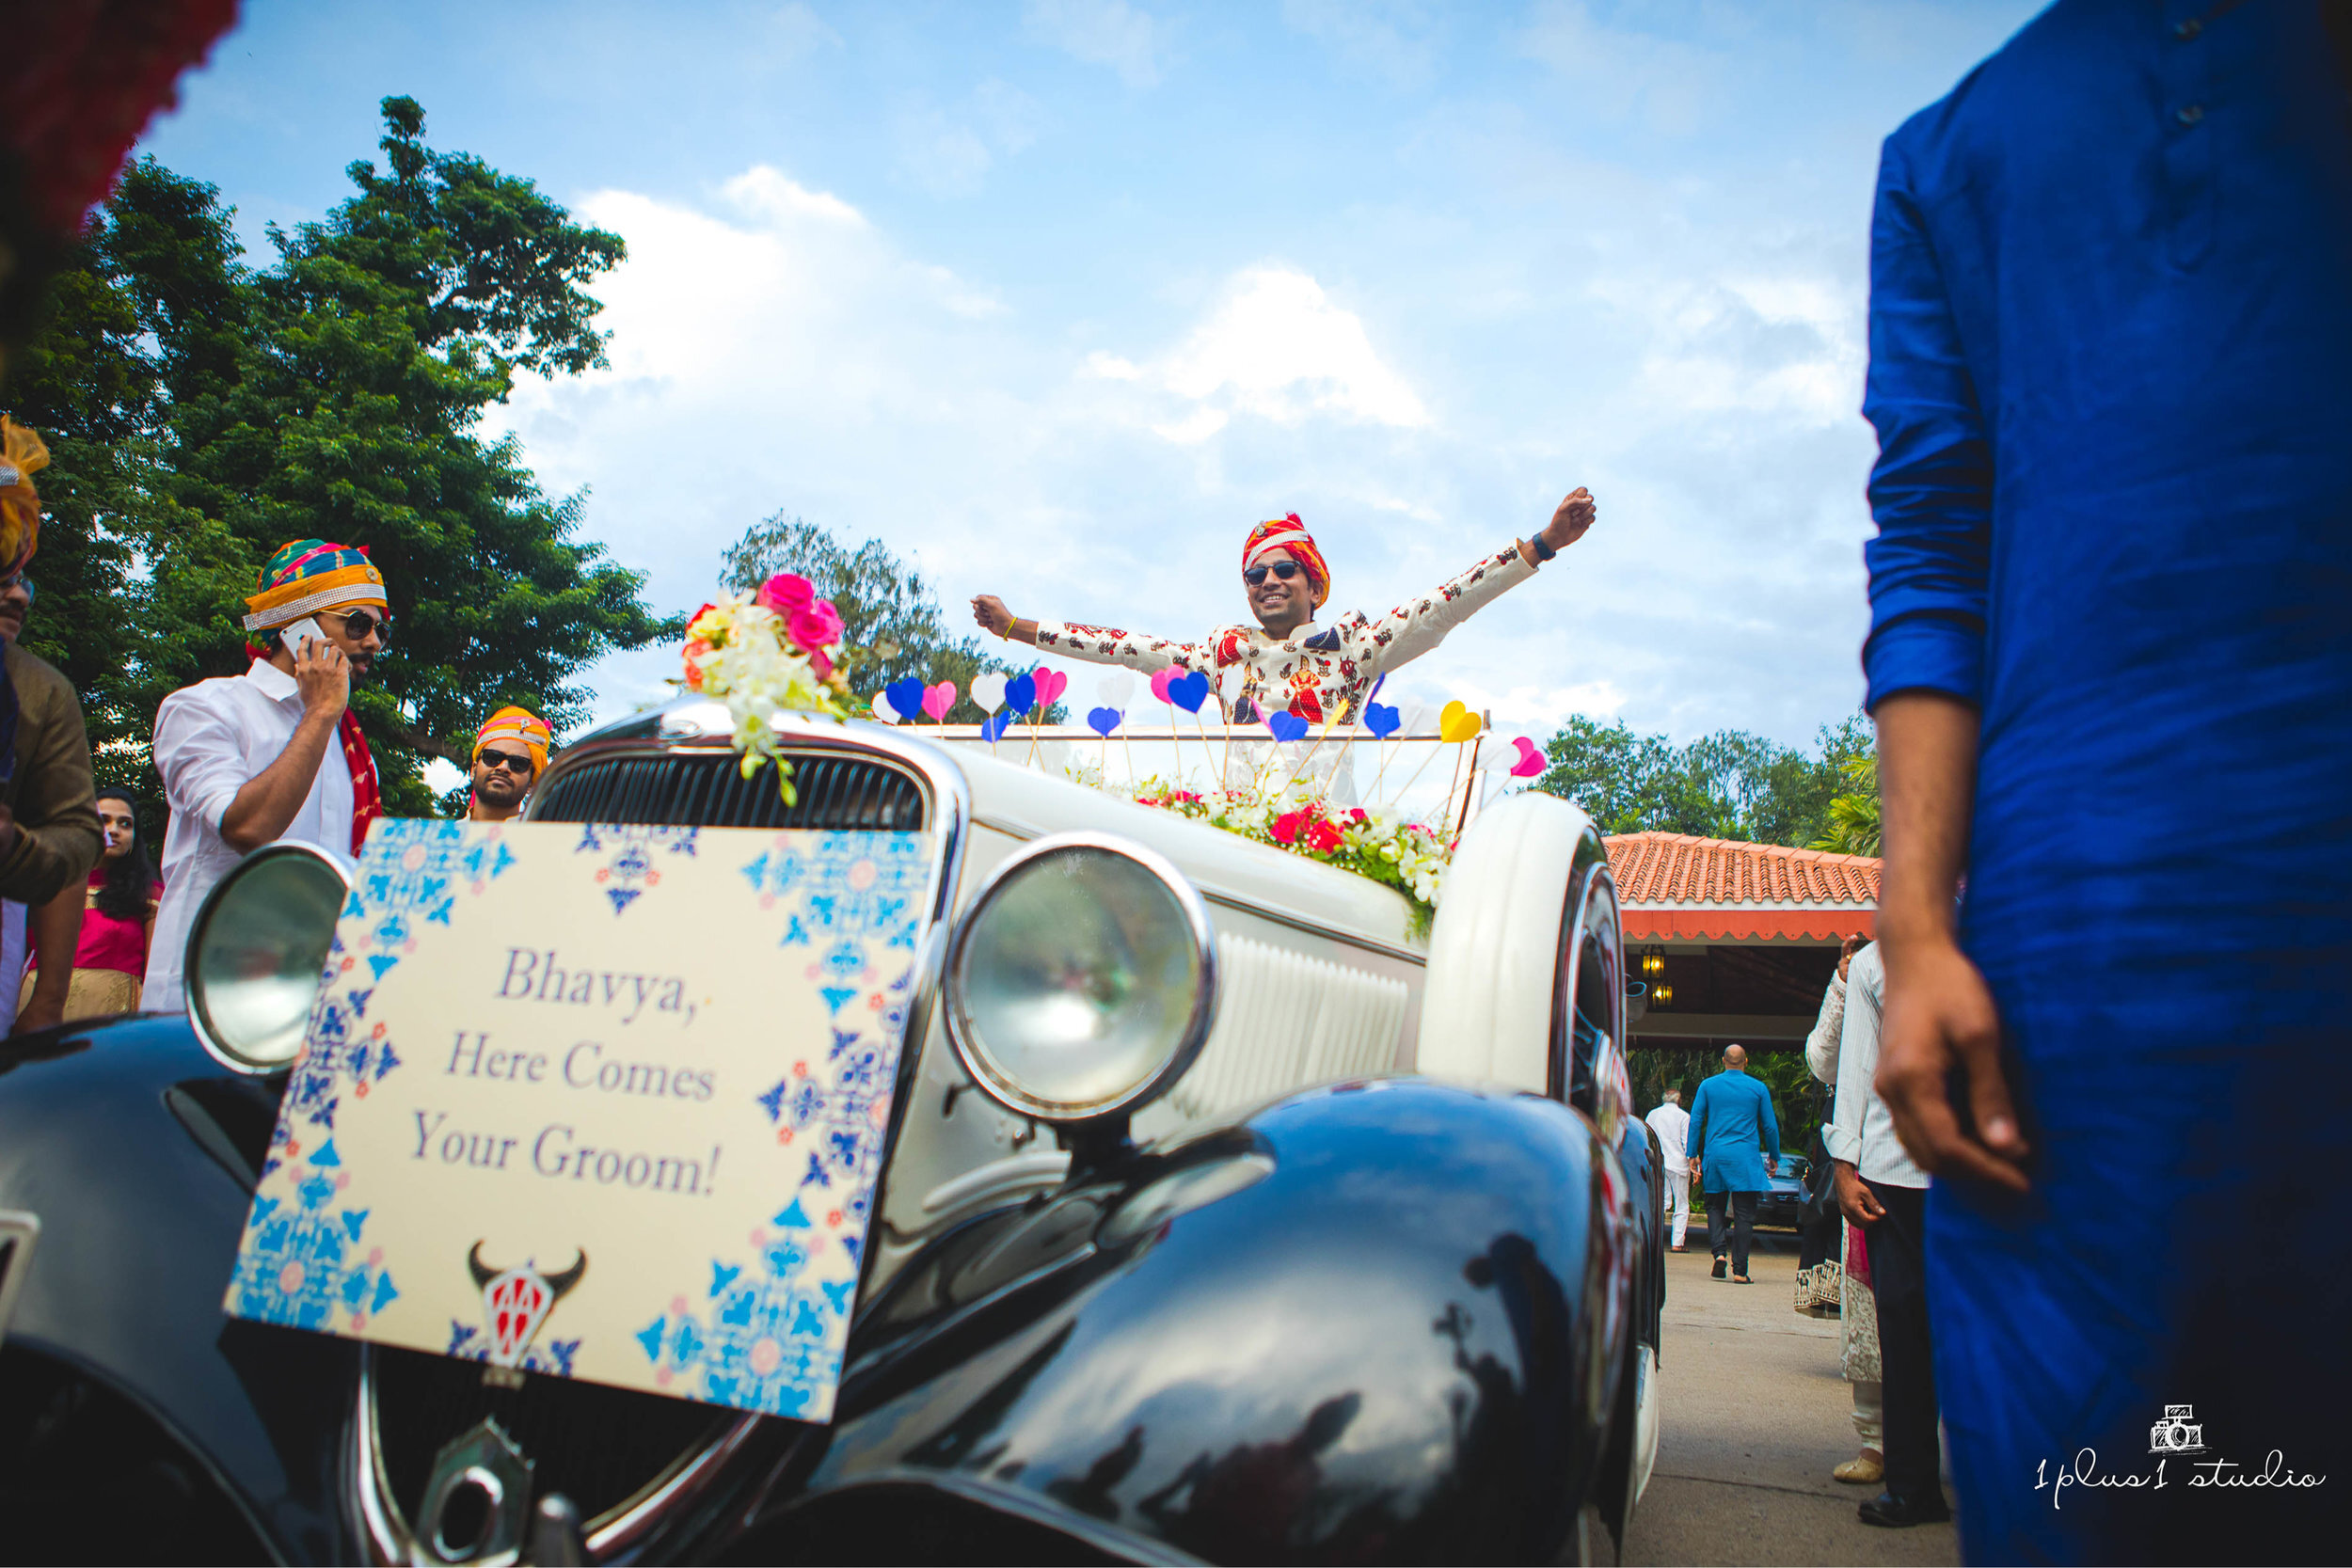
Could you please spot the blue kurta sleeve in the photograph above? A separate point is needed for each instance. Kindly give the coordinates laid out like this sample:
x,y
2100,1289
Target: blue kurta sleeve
x,y
1931,488
1695,1146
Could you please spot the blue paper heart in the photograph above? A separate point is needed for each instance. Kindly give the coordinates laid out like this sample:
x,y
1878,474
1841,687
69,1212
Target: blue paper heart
x,y
1020,694
906,697
1286,726
1382,721
993,728
1102,721
1189,692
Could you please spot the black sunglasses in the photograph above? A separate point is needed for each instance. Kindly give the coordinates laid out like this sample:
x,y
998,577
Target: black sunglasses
x,y
507,760
359,623
1256,574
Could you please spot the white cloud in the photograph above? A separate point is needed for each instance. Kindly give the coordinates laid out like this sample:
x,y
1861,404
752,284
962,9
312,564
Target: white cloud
x,y
1275,346
949,154
1664,84
1112,33
795,32
1393,40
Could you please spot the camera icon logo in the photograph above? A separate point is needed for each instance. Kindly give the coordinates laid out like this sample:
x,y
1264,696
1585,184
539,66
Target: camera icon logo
x,y
2178,1432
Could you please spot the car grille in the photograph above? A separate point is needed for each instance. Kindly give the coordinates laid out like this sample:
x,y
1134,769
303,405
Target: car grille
x,y
597,1446
706,788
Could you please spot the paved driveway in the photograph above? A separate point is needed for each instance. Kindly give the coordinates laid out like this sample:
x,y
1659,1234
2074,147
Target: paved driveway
x,y
1755,1416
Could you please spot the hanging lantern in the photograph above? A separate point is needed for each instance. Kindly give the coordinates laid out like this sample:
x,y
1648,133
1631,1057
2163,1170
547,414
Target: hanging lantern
x,y
1661,995
1653,961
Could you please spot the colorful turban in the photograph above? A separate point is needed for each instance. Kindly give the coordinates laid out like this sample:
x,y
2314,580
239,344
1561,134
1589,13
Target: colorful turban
x,y
516,723
1289,533
308,576
22,456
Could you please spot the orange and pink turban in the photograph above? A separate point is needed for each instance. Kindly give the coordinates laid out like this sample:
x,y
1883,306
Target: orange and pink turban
x,y
1288,533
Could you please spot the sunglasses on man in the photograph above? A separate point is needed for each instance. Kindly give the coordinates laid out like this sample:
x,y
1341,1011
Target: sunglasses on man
x,y
520,766
1282,569
15,580
359,624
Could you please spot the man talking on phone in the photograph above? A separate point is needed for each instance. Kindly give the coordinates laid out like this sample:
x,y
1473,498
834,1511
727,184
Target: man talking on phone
x,y
274,754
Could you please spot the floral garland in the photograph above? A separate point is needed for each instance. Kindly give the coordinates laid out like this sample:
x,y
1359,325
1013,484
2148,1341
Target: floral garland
x,y
1379,843
763,654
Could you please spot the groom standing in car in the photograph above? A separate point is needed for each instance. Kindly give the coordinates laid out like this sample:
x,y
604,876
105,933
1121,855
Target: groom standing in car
x,y
1731,1112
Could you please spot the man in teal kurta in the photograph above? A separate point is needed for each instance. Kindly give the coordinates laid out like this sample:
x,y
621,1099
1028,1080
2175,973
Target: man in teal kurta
x,y
1731,1115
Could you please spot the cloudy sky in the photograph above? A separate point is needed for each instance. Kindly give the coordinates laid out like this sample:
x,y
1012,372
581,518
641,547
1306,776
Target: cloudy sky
x,y
1058,297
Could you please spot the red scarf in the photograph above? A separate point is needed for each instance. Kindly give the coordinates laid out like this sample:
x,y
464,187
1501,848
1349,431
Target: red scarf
x,y
367,794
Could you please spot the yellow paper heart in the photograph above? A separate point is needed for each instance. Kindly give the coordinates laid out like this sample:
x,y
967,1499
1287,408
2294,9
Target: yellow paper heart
x,y
1456,722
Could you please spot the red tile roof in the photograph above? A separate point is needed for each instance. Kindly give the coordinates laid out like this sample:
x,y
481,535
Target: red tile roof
x,y
1655,871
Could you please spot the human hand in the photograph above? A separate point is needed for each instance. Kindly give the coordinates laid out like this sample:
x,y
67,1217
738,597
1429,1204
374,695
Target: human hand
x,y
1939,1019
1772,1165
1854,945
1854,1200
323,675
1695,1167
1567,525
990,611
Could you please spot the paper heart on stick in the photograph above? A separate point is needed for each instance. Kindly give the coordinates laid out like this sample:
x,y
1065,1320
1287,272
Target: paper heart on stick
x,y
1382,721
906,697
882,710
1019,695
988,691
1189,692
1531,761
1456,722
1286,726
1050,684
938,700
993,730
1102,721
1160,679
1114,690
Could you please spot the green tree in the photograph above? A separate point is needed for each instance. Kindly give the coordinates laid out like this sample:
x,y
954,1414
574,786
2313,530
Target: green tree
x,y
1854,816
891,620
204,412
1727,784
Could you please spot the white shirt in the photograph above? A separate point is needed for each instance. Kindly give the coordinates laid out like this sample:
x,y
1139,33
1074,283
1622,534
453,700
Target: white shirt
x,y
1672,1124
1862,1129
1829,1031
211,739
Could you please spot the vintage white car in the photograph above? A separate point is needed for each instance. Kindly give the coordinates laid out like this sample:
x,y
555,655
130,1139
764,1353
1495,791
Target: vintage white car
x,y
1276,1232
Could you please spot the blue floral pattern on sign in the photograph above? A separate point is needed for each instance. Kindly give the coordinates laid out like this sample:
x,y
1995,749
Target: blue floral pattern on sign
x,y
854,888
301,1263
466,1342
766,1342
629,867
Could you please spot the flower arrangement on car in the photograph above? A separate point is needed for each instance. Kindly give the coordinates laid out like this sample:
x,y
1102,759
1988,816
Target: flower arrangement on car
x,y
1376,843
774,650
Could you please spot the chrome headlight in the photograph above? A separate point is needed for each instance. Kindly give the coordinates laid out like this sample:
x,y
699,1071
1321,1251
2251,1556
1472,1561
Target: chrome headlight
x,y
1082,981
256,953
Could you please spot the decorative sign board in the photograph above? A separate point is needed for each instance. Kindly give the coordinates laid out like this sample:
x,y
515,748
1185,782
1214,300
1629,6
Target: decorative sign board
x,y
603,1102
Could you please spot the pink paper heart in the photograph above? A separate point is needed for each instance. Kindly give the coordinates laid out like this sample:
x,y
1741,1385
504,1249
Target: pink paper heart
x,y
1531,761
937,700
1050,684
1159,685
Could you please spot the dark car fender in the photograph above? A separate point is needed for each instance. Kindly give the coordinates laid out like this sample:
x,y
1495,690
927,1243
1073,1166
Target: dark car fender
x,y
1378,1321
138,1155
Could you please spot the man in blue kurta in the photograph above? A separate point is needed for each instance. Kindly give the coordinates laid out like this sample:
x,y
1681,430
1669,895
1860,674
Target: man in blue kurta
x,y
2111,659
1732,1111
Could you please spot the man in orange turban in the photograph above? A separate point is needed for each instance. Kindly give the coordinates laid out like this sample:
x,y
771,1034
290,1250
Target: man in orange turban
x,y
510,751
1286,662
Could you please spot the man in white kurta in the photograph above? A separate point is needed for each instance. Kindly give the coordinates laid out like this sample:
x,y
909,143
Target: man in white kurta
x,y
1672,1124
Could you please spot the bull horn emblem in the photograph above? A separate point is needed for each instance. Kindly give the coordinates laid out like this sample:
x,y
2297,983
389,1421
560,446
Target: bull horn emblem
x,y
517,1300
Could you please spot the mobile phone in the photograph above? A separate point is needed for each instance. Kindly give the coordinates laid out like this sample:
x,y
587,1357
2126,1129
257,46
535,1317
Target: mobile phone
x,y
293,635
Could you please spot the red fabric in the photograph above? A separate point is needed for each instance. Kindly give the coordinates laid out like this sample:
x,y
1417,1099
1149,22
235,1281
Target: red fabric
x,y
1287,532
111,944
85,76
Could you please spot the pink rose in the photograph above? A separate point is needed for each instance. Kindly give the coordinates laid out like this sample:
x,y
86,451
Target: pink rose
x,y
819,662
786,594
816,626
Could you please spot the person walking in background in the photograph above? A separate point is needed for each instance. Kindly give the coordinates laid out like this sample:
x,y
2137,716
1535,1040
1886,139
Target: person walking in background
x,y
1857,1304
244,758
2111,667
1672,1124
510,751
116,917
1732,1113
1821,1261
48,820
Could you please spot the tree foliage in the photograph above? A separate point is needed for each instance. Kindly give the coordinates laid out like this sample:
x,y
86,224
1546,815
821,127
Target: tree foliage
x,y
1854,816
1727,784
201,411
891,620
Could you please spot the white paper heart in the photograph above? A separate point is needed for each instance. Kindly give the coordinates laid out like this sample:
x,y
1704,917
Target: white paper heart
x,y
1116,690
989,691
884,711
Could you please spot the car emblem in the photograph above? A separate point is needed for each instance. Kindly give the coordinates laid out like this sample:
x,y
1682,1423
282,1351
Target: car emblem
x,y
516,1301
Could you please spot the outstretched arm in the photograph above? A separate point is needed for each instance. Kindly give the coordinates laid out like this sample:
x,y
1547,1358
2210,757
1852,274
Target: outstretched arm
x,y
1094,644
1412,629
